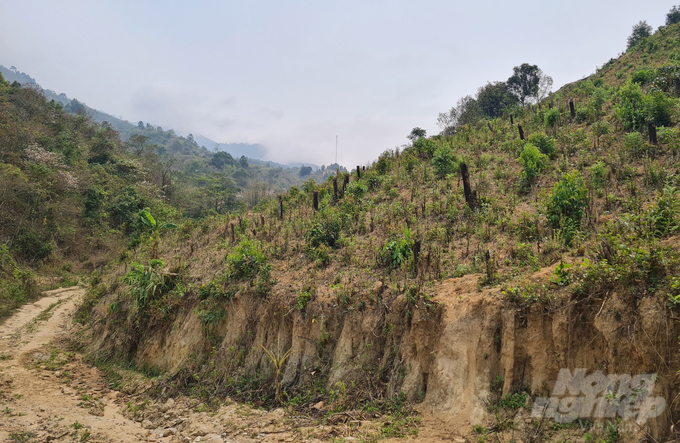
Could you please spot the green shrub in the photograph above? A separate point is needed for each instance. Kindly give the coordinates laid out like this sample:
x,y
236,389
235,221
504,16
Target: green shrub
x,y
32,245
16,286
630,109
444,162
643,76
598,174
304,297
533,161
398,250
383,164
325,229
635,144
357,189
664,216
567,204
582,115
514,401
659,108
425,147
551,118
247,260
544,143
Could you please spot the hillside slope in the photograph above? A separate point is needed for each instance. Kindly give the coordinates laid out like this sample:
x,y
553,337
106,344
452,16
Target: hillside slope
x,y
561,253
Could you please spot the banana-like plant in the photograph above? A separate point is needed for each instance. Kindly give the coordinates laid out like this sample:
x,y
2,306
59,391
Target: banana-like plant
x,y
278,360
150,222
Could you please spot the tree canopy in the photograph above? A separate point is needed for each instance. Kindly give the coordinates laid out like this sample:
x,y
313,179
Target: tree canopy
x,y
640,31
494,98
524,82
673,16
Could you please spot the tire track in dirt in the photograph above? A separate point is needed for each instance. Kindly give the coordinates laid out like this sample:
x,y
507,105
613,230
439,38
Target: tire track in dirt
x,y
35,402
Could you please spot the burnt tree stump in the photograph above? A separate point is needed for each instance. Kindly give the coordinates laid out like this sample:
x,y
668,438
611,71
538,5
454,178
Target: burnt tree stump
x,y
521,131
652,134
416,252
335,188
358,172
469,198
572,109
280,207
315,201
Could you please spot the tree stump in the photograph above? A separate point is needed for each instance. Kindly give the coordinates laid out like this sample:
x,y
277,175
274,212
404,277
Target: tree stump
x,y
572,109
416,252
521,131
652,134
335,188
315,201
280,207
358,172
469,198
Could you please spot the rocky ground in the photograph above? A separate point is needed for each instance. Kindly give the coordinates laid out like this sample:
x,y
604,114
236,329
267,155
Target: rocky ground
x,y
49,393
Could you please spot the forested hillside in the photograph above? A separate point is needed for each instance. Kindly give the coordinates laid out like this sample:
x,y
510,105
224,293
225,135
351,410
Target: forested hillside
x,y
73,189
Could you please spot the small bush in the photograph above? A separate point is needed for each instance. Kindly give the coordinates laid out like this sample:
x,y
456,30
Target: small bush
x,y
665,214
325,229
567,204
598,175
444,162
357,189
635,144
398,250
533,162
544,143
643,76
425,147
658,108
630,109
551,118
247,260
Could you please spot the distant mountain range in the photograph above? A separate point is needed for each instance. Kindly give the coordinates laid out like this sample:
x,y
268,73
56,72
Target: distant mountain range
x,y
254,152
251,151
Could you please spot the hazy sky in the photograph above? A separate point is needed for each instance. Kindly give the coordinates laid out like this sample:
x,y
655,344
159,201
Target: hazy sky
x,y
294,74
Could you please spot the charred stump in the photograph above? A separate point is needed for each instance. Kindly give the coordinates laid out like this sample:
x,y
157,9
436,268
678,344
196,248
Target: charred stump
x,y
469,197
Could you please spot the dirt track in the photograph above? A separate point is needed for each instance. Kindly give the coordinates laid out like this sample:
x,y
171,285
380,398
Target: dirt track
x,y
39,404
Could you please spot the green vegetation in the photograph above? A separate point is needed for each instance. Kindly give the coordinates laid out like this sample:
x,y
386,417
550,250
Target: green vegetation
x,y
589,198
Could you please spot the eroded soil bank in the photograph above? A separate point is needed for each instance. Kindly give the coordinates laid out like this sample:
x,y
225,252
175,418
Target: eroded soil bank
x,y
449,358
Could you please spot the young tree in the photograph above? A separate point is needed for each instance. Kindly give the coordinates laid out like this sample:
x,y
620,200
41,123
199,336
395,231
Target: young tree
x,y
673,16
524,83
640,31
465,112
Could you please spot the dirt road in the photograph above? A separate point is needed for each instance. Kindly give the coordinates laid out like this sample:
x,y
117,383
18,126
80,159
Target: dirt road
x,y
40,404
